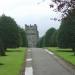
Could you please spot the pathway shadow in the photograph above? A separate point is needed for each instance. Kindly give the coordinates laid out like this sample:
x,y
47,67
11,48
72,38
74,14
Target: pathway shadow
x,y
64,50
14,51
3,55
1,64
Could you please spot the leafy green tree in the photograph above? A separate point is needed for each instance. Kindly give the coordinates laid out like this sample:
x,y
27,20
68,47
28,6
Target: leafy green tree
x,y
9,32
49,39
66,35
53,42
48,36
41,42
2,52
23,38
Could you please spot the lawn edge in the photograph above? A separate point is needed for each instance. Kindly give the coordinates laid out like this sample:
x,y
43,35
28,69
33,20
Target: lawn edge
x,y
22,70
66,61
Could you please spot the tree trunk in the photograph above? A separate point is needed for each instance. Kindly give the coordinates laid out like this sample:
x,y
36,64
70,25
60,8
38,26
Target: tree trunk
x,y
2,52
73,50
5,48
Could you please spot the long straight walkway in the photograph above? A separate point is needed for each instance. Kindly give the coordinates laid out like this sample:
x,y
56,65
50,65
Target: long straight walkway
x,y
44,63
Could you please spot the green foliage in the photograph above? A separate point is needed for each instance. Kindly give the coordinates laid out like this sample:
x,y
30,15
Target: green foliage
x,y
41,42
53,42
48,36
66,35
50,39
23,38
2,52
9,32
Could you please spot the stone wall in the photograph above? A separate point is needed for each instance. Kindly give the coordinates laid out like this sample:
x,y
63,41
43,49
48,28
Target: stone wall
x,y
32,35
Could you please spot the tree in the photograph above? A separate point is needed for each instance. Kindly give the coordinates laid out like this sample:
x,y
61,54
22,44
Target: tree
x,y
9,32
2,52
66,35
41,42
23,38
53,42
64,5
48,36
49,39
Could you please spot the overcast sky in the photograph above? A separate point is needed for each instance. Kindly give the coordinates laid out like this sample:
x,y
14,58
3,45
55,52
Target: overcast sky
x,y
30,12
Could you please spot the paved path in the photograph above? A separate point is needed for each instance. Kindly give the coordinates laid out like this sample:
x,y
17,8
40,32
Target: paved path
x,y
42,62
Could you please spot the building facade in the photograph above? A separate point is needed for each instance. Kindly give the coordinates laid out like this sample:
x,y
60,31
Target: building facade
x,y
32,35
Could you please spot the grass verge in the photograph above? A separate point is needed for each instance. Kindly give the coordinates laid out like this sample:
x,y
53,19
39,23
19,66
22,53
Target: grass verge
x,y
66,54
12,63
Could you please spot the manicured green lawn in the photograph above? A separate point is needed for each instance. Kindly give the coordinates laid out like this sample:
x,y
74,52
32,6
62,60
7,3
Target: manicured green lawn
x,y
12,63
67,54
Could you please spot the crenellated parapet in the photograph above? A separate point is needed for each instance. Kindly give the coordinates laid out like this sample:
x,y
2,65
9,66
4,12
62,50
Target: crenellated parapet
x,y
32,34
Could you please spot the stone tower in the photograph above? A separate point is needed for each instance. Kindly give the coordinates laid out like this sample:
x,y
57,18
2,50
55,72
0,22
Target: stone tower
x,y
32,35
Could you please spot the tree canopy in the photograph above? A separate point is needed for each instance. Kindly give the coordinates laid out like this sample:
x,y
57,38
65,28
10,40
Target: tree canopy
x,y
49,39
41,42
64,5
9,32
48,36
53,42
66,35
23,38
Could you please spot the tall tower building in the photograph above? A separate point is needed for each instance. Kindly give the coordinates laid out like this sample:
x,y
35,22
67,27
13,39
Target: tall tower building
x,y
32,35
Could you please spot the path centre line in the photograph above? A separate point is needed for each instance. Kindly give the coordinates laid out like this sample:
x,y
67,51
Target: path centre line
x,y
29,71
29,59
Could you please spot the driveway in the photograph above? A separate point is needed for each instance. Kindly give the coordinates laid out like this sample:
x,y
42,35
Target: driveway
x,y
42,62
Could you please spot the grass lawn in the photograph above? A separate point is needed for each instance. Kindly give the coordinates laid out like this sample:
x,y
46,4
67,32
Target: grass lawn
x,y
12,63
67,54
